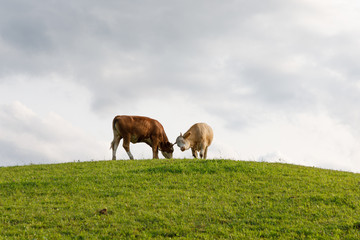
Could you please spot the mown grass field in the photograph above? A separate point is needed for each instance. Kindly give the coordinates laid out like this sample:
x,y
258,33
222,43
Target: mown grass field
x,y
181,199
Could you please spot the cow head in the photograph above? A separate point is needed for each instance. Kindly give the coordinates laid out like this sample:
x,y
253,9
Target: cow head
x,y
182,141
166,149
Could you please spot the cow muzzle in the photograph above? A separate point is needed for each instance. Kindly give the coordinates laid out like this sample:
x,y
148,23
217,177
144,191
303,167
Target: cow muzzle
x,y
167,155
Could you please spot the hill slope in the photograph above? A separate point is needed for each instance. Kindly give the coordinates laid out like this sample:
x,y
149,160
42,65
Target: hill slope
x,y
183,199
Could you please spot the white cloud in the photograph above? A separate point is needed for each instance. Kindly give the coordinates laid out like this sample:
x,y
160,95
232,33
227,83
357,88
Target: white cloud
x,y
252,69
312,140
42,139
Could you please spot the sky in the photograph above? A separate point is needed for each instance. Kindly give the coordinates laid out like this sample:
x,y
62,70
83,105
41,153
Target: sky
x,y
278,81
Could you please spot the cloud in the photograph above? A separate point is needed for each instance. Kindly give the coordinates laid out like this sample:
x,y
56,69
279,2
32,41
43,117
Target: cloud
x,y
312,140
236,64
113,48
29,138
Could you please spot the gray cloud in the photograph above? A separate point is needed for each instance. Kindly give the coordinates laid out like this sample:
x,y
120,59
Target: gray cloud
x,y
116,47
28,137
11,155
244,62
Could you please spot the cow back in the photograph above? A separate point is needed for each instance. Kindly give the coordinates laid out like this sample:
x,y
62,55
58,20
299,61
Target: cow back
x,y
201,132
142,127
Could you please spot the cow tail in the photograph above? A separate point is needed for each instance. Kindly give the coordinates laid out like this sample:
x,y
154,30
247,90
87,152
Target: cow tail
x,y
114,129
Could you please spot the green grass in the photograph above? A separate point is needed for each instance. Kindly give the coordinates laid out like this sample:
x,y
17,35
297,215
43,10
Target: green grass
x,y
182,199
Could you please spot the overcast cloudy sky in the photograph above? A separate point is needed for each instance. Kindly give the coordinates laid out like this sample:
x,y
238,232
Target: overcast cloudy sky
x,y
277,80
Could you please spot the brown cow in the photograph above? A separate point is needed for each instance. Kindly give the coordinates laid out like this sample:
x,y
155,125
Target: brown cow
x,y
140,129
198,138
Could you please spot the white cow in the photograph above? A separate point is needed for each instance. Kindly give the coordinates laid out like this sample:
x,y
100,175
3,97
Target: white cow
x,y
198,138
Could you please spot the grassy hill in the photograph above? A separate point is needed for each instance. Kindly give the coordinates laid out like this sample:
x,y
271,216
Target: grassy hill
x,y
184,199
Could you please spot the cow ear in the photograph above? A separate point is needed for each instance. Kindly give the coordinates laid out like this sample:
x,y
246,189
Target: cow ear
x,y
187,135
180,134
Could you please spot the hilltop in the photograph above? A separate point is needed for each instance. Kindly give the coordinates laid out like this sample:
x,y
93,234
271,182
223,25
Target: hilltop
x,y
182,199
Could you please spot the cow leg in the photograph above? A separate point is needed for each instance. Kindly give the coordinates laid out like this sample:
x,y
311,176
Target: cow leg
x,y
194,153
205,153
155,152
155,147
202,151
115,145
126,145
